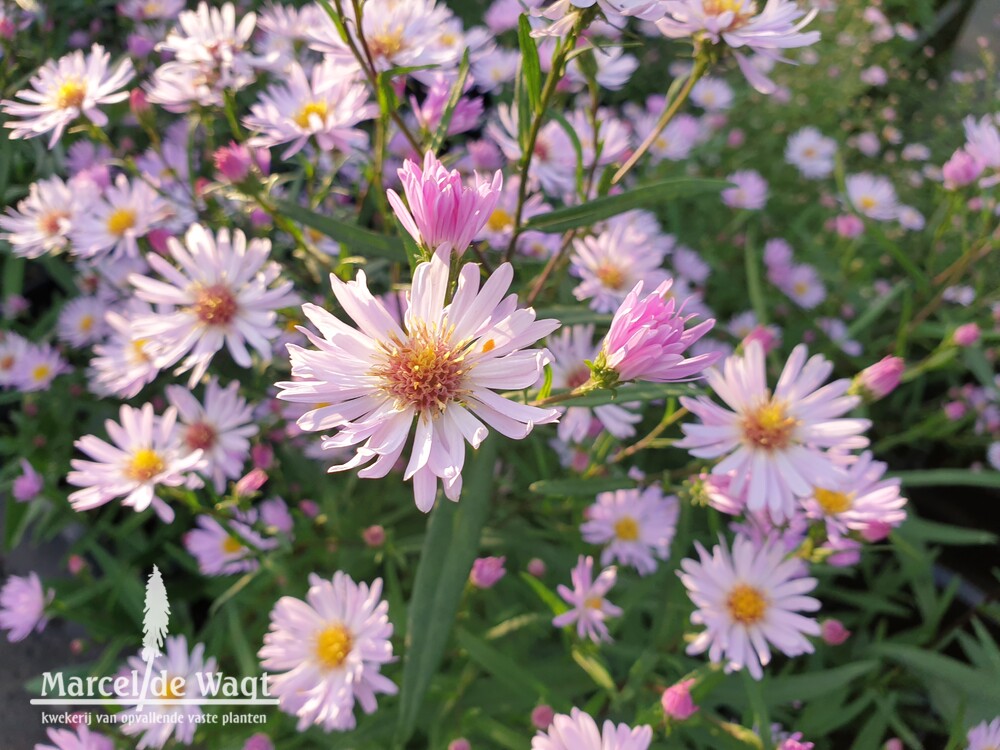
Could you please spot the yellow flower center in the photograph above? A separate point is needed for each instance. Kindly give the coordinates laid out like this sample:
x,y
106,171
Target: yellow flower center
x,y
627,529
87,323
167,691
71,94
833,503
867,202
499,220
231,545
594,602
746,604
333,645
145,464
425,372
769,426
40,373
386,44
800,287
304,118
215,305
611,276
121,220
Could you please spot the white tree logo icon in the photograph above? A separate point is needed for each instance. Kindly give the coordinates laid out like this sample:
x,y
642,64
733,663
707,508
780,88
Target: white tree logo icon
x,y
156,613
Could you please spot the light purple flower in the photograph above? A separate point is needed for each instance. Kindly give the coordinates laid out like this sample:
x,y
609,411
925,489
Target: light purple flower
x,y
22,606
589,607
578,731
750,191
487,571
27,486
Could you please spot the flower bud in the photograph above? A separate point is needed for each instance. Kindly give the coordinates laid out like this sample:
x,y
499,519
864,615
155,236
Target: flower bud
x,y
880,379
542,716
486,571
677,703
833,632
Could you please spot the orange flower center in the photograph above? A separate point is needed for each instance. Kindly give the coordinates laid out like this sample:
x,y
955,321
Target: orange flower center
x,y
768,426
231,545
215,305
746,604
627,529
425,372
145,465
833,503
611,276
51,223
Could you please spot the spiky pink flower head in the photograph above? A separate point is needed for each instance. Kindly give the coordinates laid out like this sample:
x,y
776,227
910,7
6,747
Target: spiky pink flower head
x,y
877,381
677,703
487,572
232,162
647,340
442,210
961,169
259,742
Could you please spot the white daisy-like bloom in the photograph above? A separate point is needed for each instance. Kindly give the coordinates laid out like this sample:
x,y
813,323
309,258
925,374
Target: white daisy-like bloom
x,y
749,601
327,105
220,428
861,498
873,196
810,152
739,24
147,452
123,364
496,68
553,165
13,347
220,296
65,89
81,321
326,653
614,68
589,608
984,736
397,33
571,349
221,552
611,263
174,676
37,367
712,94
210,39
775,444
636,526
114,223
41,222
578,731
280,30
440,369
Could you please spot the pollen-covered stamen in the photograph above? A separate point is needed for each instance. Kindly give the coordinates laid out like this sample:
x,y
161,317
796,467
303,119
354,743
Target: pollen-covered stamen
x,y
71,94
627,529
304,117
215,305
144,465
425,372
611,276
746,604
499,220
199,435
742,10
832,502
333,645
231,545
387,44
769,426
120,221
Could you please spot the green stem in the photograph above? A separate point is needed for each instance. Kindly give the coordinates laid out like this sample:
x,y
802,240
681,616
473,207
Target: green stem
x,y
759,708
754,284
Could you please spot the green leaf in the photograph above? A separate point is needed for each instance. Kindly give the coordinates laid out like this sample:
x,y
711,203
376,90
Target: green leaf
x,y
812,685
501,666
923,530
641,393
948,478
580,486
594,667
875,310
961,677
453,99
359,241
530,65
450,546
14,523
547,595
586,214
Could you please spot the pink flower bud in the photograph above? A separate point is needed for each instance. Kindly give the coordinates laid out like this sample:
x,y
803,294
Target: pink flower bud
x,y
137,102
536,567
486,571
262,456
875,531
232,162
309,508
75,565
795,743
894,744
157,239
459,744
848,226
961,169
736,138
955,410
765,335
542,716
259,742
374,536
27,486
880,379
833,632
677,703
966,335
251,482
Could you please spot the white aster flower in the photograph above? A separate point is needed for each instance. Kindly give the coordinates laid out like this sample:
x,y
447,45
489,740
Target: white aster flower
x,y
113,223
749,601
42,221
440,370
326,653
811,152
220,296
65,89
147,452
873,196
636,526
579,731
81,321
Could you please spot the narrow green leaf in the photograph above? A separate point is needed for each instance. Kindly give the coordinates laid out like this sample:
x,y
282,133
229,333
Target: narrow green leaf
x,y
580,487
875,310
501,666
450,546
453,99
586,214
530,64
14,523
922,530
641,392
948,478
813,685
934,666
594,667
358,241
547,595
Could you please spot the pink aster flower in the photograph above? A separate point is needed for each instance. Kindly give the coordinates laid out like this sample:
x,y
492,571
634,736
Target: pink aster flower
x,y
861,497
983,139
442,210
647,340
636,526
833,632
42,221
739,24
578,731
961,169
589,607
147,452
78,738
220,428
326,653
749,601
22,606
220,296
811,152
984,736
220,551
440,369
873,196
28,485
775,445
326,106
112,224
749,193
63,90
